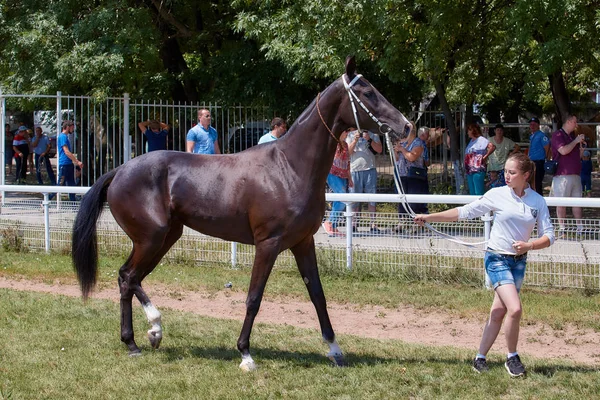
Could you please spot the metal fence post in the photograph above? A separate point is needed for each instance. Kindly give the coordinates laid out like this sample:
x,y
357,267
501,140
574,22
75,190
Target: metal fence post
x,y
46,206
126,138
233,254
487,228
349,214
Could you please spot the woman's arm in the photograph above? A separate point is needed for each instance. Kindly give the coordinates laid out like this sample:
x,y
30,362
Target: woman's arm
x,y
412,155
443,216
490,149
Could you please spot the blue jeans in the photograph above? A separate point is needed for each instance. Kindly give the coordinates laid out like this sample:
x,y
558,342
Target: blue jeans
x,y
67,172
37,159
476,183
337,185
503,269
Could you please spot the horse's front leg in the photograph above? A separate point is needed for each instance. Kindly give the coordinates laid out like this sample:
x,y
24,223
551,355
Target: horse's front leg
x,y
306,259
266,254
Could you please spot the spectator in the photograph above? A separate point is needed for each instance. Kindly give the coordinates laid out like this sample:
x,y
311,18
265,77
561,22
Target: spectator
x,y
202,138
278,129
424,136
339,179
586,173
412,169
476,154
519,209
21,151
41,147
494,180
539,152
362,147
567,178
505,147
8,147
156,134
30,155
66,159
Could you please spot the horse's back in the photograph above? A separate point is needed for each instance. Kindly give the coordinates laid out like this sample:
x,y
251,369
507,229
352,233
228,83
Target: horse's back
x,y
242,197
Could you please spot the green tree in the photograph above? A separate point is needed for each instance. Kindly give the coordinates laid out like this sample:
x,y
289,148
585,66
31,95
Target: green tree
x,y
560,37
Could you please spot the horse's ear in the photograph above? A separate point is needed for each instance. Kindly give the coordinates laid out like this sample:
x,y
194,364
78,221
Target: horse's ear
x,y
350,66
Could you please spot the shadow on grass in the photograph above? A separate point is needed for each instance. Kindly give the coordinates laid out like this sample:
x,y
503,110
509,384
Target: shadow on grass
x,y
312,359
550,370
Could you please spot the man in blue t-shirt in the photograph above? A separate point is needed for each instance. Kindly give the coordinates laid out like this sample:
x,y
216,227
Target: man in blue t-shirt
x,y
156,134
278,129
202,138
539,151
66,159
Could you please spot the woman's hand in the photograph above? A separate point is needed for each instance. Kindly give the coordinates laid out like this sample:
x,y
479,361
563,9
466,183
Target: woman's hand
x,y
522,247
420,219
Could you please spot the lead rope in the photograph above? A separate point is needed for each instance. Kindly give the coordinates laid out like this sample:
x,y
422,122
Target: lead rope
x,y
409,209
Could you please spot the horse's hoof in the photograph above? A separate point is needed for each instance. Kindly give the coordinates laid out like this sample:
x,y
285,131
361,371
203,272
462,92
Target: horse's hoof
x,y
135,353
155,338
248,365
338,359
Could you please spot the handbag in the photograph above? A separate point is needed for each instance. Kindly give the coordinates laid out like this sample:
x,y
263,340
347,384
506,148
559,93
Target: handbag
x,y
550,167
417,172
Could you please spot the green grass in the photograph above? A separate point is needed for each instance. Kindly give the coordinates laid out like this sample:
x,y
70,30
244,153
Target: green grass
x,y
56,347
554,307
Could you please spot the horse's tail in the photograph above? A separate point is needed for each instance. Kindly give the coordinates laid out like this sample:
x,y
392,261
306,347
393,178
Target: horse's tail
x,y
84,243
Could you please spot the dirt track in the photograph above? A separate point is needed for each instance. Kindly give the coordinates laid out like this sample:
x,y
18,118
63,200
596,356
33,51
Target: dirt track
x,y
405,323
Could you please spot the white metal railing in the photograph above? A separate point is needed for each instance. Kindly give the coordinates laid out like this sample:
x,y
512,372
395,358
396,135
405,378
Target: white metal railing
x,y
401,246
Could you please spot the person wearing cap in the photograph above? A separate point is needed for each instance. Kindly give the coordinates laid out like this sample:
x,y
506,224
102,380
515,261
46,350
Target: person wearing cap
x,y
505,147
539,152
586,173
66,159
21,151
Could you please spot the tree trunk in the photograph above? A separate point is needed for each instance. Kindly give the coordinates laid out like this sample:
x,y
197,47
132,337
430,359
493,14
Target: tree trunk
x,y
184,89
454,138
562,103
450,122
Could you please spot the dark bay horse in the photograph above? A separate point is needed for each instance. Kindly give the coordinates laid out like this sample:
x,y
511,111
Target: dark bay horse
x,y
271,196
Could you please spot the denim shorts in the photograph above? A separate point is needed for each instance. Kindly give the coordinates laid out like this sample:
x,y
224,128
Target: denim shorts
x,y
504,269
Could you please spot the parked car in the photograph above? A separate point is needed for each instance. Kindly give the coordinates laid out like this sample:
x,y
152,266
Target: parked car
x,y
244,137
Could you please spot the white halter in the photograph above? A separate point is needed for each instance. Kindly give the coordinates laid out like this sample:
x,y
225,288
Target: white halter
x,y
352,96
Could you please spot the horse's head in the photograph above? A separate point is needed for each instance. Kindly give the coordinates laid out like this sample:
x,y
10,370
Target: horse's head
x,y
368,108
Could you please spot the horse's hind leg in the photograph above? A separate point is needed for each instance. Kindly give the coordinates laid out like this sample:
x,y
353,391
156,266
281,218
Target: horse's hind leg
x,y
153,315
144,257
306,259
264,258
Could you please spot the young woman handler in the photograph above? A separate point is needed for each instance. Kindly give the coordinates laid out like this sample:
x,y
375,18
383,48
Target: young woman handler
x,y
517,207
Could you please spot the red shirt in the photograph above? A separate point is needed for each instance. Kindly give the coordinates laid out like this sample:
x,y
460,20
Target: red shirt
x,y
341,162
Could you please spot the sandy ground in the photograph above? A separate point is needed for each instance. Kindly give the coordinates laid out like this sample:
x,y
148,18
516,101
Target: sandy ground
x,y
405,323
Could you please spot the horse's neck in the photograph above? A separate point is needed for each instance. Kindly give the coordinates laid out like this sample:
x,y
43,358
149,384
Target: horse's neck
x,y
310,148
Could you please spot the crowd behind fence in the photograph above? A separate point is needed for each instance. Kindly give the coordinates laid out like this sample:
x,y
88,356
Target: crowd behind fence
x,y
107,135
402,248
